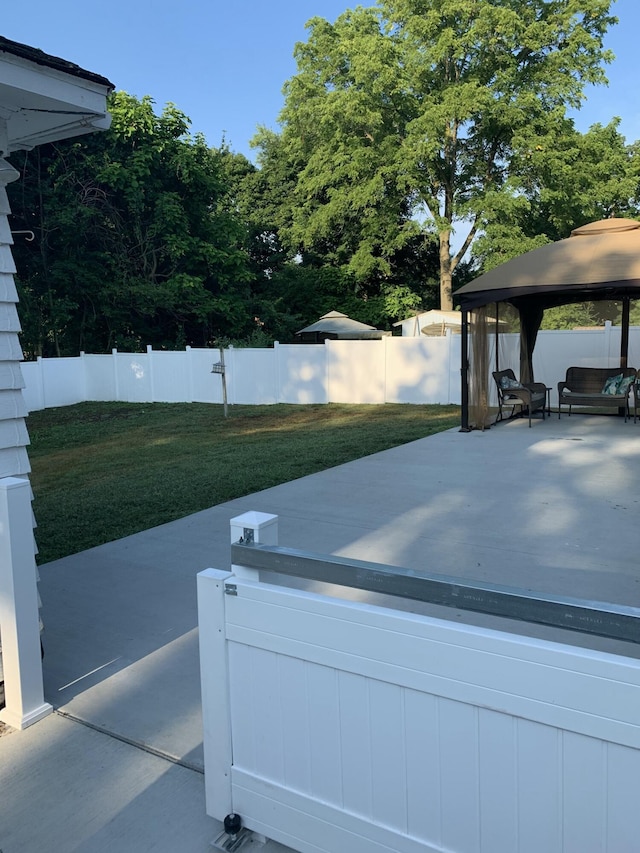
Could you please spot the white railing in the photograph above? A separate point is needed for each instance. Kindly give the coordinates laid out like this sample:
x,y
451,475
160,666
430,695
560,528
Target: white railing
x,y
333,724
391,370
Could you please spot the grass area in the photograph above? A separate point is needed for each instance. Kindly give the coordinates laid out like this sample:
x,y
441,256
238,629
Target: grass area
x,y
101,471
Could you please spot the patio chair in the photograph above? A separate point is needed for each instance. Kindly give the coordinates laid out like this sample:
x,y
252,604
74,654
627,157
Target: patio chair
x,y
529,396
636,397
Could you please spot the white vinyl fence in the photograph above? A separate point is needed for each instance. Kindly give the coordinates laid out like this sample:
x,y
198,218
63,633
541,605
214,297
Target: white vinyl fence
x,y
398,370
390,370
336,725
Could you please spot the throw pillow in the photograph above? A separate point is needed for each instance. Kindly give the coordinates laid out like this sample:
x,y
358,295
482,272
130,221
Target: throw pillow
x,y
507,383
611,385
624,384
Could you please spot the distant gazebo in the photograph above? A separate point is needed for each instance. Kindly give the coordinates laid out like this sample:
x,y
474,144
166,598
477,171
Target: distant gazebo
x,y
336,326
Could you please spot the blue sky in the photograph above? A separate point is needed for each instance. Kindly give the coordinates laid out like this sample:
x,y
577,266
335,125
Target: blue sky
x,y
223,62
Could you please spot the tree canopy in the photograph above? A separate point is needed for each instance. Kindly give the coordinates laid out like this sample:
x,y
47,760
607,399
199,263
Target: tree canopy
x,y
421,143
405,118
135,241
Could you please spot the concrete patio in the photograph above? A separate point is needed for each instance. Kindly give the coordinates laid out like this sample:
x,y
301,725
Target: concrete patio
x,y
118,766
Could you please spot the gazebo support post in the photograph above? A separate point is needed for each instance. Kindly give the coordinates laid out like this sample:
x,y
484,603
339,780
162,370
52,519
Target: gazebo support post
x,y
497,336
624,340
464,372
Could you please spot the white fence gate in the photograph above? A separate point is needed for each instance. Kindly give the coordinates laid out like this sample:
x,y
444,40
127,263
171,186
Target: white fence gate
x,y
338,725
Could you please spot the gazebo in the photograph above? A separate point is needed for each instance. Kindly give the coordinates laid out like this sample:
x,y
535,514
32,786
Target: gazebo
x,y
599,261
337,326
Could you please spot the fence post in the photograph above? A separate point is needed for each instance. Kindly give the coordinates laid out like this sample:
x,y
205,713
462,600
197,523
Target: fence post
x,y
262,528
385,349
19,618
189,368
41,388
449,334
276,355
214,681
116,380
607,343
152,385
258,527
230,366
85,380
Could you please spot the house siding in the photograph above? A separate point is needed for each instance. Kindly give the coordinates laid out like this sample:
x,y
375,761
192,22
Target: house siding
x,y
14,438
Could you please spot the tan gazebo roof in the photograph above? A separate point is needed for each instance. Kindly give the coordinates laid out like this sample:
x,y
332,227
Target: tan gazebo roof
x,y
335,323
600,256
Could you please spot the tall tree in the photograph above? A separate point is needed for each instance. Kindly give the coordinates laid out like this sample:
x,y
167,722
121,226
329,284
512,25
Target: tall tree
x,y
407,116
135,240
562,180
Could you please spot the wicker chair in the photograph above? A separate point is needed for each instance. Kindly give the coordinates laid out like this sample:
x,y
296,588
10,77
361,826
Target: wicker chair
x,y
529,397
636,398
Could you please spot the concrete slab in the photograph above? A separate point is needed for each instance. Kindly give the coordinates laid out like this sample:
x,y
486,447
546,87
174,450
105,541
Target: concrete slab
x,y
553,508
66,787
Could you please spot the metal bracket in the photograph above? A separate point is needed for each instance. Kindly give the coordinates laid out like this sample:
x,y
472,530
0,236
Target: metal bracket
x,y
231,843
229,589
248,536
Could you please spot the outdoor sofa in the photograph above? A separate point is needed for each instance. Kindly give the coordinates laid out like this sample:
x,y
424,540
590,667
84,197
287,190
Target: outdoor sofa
x,y
602,387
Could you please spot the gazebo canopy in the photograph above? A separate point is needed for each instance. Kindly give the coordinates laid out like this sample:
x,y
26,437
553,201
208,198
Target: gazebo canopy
x,y
339,326
599,261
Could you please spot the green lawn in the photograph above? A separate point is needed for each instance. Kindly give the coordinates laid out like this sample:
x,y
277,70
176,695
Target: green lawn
x,y
101,471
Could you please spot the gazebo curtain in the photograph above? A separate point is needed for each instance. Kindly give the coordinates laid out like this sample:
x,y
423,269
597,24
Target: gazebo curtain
x,y
491,346
530,322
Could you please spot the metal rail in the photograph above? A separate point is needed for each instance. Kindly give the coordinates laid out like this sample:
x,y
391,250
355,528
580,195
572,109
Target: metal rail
x,y
602,619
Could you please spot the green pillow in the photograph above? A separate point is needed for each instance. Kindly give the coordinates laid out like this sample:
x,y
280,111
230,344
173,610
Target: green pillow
x,y
611,385
508,384
625,383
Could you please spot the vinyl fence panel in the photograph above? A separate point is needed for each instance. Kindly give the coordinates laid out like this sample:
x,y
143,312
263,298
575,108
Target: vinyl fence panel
x,y
391,370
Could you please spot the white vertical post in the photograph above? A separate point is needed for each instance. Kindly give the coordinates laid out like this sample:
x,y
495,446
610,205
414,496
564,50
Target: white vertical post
x,y
327,370
19,619
152,384
41,388
214,680
85,378
276,355
449,334
260,528
116,378
385,367
224,383
607,345
189,367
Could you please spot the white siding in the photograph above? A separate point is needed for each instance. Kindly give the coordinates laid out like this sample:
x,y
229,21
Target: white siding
x,y
13,433
14,438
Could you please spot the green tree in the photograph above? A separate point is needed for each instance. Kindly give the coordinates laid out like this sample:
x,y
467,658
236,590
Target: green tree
x,y
562,180
407,117
136,241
